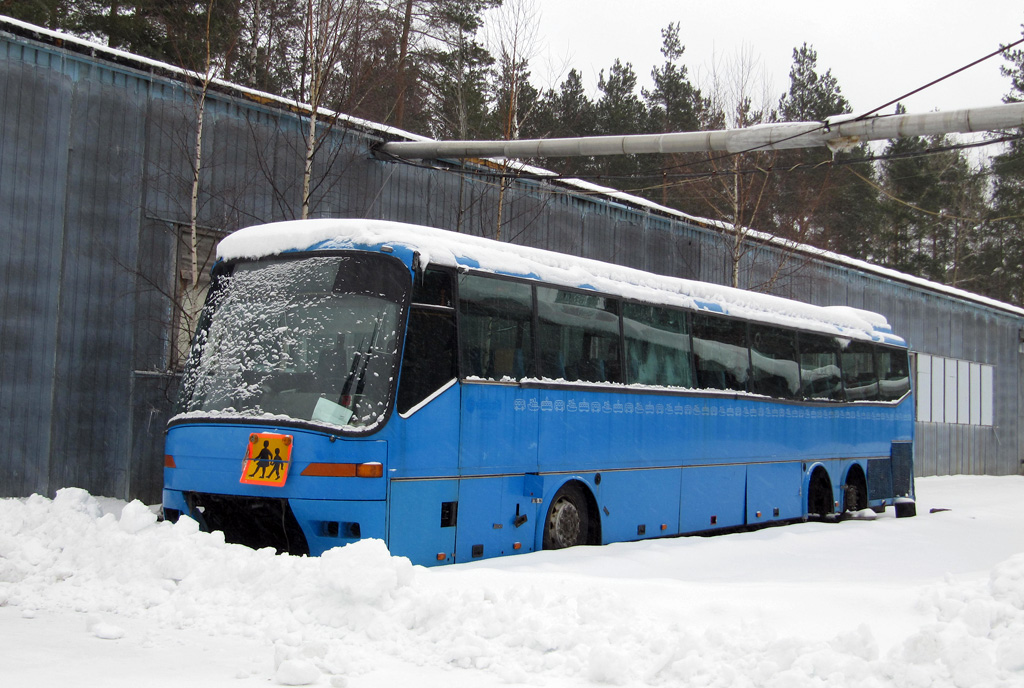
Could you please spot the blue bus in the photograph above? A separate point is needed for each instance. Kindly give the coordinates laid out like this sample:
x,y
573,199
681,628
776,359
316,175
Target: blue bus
x,y
462,398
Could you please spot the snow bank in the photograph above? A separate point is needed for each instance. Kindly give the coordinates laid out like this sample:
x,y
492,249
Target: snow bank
x,y
357,609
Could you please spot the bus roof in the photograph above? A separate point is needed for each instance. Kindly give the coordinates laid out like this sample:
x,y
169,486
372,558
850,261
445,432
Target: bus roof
x,y
452,249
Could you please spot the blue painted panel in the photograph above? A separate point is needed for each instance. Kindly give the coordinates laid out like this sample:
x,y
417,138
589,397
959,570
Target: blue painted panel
x,y
479,518
772,486
582,429
488,509
209,459
174,499
712,497
576,432
426,444
313,514
499,429
414,520
635,499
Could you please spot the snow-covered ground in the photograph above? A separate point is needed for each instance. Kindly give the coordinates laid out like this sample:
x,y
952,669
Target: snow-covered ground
x,y
94,592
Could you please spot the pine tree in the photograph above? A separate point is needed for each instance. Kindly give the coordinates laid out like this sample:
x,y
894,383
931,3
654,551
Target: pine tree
x,y
515,101
932,212
674,104
53,14
565,113
1001,253
455,69
813,200
906,184
811,97
266,55
619,111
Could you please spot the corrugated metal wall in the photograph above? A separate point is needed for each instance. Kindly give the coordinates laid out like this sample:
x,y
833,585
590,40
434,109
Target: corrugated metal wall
x,y
95,171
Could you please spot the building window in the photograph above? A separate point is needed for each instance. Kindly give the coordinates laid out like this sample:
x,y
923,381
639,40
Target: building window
x,y
954,391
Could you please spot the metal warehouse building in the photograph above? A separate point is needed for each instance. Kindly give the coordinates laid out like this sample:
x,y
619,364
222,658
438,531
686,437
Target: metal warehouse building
x,y
95,180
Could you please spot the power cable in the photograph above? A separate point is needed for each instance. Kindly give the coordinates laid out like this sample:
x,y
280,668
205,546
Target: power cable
x,y
1002,49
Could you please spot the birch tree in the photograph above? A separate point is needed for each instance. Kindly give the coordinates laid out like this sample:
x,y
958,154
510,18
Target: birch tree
x,y
735,187
514,35
328,24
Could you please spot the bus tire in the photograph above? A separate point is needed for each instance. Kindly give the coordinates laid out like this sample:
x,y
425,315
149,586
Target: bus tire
x,y
855,496
568,519
819,494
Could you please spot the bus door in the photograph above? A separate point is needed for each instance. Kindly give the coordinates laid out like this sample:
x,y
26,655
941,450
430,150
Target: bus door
x,y
424,488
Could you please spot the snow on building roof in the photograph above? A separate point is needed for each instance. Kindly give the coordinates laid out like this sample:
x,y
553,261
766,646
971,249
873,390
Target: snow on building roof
x,y
82,45
452,249
782,243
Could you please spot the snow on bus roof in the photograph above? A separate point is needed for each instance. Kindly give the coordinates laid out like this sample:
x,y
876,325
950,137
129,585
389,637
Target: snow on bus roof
x,y
452,249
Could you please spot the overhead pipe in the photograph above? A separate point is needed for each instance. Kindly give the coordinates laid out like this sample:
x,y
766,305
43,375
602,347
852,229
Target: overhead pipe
x,y
836,133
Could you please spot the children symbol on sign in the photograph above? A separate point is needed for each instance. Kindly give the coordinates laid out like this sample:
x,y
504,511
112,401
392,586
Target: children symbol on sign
x,y
263,461
276,462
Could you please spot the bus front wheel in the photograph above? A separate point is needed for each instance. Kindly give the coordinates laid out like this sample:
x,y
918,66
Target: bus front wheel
x,y
568,521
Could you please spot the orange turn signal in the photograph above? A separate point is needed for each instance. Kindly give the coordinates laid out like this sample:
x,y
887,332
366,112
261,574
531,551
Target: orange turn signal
x,y
344,470
370,470
169,461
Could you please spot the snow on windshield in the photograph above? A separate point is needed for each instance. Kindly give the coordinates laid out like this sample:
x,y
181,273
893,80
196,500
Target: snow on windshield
x,y
284,341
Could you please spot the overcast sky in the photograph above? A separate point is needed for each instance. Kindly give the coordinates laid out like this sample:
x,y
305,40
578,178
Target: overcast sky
x,y
877,50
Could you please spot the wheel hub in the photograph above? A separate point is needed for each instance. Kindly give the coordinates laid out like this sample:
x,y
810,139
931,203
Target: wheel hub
x,y
565,524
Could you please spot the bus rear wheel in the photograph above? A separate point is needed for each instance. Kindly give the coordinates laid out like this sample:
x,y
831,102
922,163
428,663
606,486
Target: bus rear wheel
x,y
568,520
856,493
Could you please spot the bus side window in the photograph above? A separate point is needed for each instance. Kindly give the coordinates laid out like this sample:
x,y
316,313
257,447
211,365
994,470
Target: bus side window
x,y
893,373
859,374
496,328
579,336
720,354
429,359
657,346
433,288
774,370
819,367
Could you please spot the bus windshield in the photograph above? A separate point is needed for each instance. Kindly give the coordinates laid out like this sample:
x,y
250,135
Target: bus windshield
x,y
311,339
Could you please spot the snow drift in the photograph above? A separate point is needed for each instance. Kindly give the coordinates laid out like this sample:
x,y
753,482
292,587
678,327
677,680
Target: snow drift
x,y
915,602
